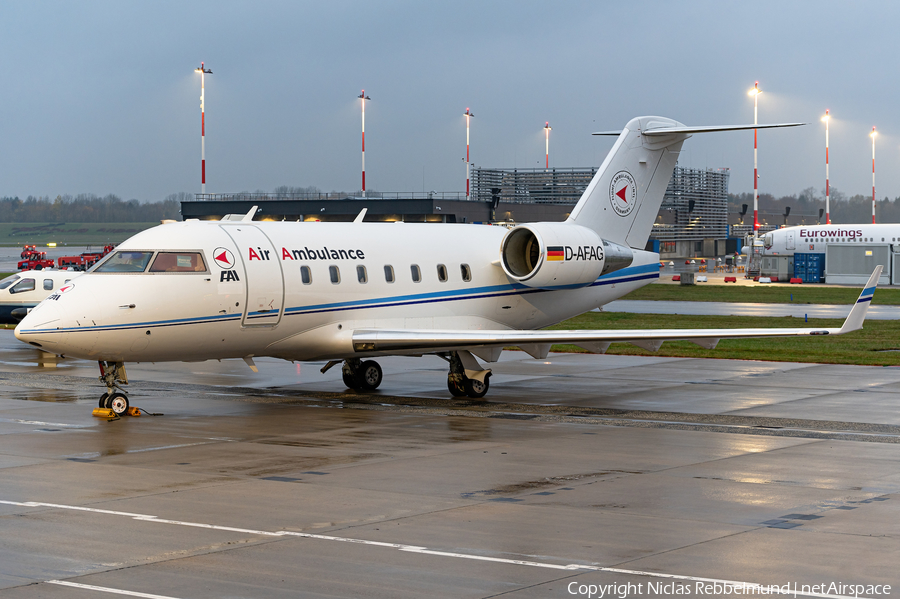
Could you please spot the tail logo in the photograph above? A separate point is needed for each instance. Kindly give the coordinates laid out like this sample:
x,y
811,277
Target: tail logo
x,y
224,258
622,193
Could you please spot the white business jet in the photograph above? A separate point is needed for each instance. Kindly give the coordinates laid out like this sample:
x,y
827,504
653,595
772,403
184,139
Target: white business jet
x,y
349,292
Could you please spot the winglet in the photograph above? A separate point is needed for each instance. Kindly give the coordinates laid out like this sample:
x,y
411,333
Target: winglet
x,y
858,313
361,215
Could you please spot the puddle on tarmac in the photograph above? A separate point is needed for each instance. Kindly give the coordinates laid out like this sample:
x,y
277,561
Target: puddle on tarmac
x,y
47,395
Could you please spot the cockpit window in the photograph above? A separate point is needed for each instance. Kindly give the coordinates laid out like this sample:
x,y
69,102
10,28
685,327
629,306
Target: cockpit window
x,y
23,285
125,262
178,262
9,281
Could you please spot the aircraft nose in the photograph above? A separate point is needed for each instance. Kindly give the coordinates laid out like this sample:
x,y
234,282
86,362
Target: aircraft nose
x,y
43,326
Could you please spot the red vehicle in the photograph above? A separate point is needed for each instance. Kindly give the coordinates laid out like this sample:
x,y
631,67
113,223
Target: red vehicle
x,y
27,249
85,260
35,260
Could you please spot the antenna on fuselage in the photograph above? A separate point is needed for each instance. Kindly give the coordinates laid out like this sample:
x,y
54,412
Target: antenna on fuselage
x,y
249,216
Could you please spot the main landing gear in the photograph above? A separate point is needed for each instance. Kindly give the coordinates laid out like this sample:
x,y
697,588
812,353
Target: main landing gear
x,y
112,374
461,385
361,375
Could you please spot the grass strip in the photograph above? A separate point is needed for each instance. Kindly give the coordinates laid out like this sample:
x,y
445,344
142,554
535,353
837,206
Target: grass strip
x,y
877,344
775,294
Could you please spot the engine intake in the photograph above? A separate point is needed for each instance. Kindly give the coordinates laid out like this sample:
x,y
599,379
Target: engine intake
x,y
550,255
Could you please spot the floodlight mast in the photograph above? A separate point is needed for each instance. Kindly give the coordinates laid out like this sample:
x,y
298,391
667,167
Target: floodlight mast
x,y
547,129
825,120
755,93
363,97
203,72
872,135
468,114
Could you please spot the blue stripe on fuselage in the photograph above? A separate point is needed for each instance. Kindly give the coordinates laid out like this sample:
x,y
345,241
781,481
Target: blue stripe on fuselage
x,y
626,275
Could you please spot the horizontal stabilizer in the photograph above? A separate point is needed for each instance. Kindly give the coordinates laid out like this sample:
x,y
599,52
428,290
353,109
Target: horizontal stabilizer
x,y
705,129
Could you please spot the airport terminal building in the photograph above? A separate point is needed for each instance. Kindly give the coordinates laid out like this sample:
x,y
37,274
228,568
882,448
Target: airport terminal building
x,y
692,220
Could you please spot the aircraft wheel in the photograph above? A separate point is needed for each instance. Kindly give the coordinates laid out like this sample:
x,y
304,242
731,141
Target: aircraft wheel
x,y
350,381
476,389
456,386
103,399
118,403
370,375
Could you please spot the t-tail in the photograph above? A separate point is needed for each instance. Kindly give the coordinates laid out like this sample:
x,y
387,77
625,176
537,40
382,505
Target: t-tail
x,y
609,227
624,196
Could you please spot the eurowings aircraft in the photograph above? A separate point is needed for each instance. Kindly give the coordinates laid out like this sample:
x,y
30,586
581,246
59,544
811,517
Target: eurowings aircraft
x,y
813,238
350,292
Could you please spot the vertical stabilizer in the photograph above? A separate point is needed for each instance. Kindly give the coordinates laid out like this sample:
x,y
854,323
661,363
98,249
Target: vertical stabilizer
x,y
624,197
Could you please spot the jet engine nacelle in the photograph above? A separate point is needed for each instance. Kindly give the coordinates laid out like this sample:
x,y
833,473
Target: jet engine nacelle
x,y
545,255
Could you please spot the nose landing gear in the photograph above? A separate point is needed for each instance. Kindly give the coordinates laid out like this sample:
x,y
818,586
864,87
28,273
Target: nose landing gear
x,y
112,374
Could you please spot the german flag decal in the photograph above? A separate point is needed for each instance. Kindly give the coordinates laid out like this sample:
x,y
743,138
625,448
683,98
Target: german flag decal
x,y
555,252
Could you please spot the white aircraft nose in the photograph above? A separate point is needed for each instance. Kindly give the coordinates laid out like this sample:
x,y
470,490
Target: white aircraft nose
x,y
43,326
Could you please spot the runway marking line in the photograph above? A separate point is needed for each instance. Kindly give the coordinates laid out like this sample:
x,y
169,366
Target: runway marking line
x,y
91,587
748,586
40,423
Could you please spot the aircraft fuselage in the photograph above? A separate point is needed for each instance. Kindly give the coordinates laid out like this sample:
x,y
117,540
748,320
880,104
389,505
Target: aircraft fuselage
x,y
298,290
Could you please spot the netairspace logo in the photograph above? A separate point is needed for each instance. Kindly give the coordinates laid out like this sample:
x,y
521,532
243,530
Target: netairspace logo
x,y
722,589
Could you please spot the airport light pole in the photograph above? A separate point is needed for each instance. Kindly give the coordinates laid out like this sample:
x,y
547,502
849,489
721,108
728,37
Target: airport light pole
x,y
872,135
363,97
825,120
755,93
468,114
203,72
547,129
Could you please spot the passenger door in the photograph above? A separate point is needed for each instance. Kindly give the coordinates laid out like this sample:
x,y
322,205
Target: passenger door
x,y
264,280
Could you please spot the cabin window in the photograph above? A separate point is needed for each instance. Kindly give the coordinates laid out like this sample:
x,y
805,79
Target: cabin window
x,y
178,262
48,284
361,275
126,262
335,274
442,273
23,285
388,273
305,275
466,272
416,273
9,281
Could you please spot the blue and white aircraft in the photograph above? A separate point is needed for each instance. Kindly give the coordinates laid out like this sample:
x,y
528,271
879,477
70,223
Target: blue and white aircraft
x,y
350,292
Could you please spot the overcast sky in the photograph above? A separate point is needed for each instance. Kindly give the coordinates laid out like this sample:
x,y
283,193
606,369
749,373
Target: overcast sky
x,y
101,97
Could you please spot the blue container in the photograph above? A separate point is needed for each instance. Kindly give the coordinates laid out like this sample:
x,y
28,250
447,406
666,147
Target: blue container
x,y
810,268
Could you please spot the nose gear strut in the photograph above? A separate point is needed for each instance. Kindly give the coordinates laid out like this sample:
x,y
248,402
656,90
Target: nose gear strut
x,y
112,374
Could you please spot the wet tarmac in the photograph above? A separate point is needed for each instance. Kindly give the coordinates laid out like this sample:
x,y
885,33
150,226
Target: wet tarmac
x,y
580,470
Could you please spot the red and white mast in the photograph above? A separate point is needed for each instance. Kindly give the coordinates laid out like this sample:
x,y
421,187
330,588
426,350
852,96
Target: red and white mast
x,y
362,96
468,114
755,93
547,129
872,135
826,118
203,71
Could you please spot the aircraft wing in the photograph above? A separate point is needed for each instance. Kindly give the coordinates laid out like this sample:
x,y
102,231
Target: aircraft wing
x,y
382,340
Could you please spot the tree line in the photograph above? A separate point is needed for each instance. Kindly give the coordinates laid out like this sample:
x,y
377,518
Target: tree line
x,y
89,208
805,207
